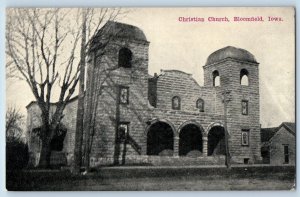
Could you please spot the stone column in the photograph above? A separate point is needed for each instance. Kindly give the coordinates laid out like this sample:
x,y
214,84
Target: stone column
x,y
204,142
176,146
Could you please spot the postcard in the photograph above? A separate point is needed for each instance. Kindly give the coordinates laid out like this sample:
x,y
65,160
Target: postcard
x,y
165,99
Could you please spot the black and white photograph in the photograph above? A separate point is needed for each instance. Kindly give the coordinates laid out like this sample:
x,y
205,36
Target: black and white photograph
x,y
150,99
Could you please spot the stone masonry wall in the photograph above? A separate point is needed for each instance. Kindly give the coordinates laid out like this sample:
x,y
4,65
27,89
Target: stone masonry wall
x,y
229,71
107,77
172,83
169,84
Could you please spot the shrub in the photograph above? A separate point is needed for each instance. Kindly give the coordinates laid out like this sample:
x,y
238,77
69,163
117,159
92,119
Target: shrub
x,y
17,155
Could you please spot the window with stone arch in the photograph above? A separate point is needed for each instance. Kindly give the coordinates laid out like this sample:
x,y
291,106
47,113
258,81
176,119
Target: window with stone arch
x,y
216,78
244,79
176,103
200,105
125,58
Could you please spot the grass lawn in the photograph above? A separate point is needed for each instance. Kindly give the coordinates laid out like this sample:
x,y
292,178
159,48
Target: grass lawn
x,y
145,178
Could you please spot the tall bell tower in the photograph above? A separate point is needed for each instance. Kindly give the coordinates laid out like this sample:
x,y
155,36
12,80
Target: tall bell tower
x,y
117,91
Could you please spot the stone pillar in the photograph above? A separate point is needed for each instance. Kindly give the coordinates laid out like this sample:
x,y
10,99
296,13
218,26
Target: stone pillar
x,y
204,141
176,146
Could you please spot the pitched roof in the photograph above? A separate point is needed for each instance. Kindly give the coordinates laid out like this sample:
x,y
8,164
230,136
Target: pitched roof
x,y
291,126
267,133
119,30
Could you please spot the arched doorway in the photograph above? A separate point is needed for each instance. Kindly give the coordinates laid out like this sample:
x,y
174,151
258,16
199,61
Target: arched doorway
x,y
216,141
160,139
57,141
190,141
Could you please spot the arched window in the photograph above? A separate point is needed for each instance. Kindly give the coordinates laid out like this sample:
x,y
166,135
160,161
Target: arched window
x,y
176,103
200,105
216,78
244,77
125,57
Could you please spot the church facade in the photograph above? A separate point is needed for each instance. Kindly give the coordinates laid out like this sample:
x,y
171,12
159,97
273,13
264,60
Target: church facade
x,y
165,119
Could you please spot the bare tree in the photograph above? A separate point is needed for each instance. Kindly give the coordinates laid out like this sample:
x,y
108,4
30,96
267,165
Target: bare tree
x,y
43,49
36,41
14,122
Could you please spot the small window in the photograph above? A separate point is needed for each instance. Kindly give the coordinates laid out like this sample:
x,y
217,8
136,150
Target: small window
x,y
244,77
124,95
286,154
216,78
245,137
123,129
246,160
200,105
244,107
125,57
176,103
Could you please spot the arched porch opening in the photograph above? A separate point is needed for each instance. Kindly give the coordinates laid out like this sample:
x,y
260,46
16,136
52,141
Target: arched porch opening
x,y
160,139
216,141
190,141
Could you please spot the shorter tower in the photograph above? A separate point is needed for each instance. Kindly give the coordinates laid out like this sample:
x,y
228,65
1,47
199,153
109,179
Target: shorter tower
x,y
235,70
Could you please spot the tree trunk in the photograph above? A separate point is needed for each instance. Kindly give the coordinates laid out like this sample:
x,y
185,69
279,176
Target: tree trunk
x,y
45,137
80,106
90,94
45,154
46,134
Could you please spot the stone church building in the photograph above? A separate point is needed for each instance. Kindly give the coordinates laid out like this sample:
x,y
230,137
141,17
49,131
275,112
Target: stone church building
x,y
165,119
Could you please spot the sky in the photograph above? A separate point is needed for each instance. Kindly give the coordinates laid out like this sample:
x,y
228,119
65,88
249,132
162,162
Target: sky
x,y
185,46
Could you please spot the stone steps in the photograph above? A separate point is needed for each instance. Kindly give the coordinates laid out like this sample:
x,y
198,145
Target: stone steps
x,y
186,161
177,161
58,158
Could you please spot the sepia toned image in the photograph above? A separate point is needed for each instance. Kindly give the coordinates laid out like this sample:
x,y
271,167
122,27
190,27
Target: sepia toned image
x,y
166,99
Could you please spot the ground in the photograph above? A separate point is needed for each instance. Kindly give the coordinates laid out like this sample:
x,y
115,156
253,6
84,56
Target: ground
x,y
156,178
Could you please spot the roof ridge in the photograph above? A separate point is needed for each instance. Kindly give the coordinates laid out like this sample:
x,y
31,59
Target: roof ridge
x,y
171,70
